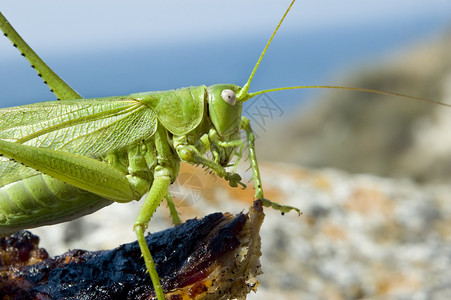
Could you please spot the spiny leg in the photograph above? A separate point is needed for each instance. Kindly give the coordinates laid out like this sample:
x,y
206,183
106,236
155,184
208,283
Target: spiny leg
x,y
156,194
190,154
246,126
58,86
83,172
174,214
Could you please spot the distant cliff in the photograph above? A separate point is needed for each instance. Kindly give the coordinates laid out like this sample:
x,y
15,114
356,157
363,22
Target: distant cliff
x,y
370,133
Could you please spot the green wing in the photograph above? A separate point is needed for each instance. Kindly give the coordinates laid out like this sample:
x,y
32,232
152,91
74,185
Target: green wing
x,y
89,127
180,111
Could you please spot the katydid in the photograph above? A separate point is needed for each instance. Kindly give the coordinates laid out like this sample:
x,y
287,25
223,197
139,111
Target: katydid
x,y
64,159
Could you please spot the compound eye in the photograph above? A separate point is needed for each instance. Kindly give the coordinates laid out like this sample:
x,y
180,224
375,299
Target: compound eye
x,y
229,96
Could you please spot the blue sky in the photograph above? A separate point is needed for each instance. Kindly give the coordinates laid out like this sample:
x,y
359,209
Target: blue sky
x,y
76,24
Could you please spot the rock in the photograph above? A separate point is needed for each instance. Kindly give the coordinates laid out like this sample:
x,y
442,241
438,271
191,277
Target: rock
x,y
359,235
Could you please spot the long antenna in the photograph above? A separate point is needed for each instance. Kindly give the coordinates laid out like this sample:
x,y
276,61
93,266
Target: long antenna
x,y
250,95
242,94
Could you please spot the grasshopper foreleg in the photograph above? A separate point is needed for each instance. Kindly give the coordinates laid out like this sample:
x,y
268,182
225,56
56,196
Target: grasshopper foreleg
x,y
246,126
190,154
215,140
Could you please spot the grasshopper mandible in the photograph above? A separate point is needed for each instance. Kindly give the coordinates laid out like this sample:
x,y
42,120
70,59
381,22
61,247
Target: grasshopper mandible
x,y
64,159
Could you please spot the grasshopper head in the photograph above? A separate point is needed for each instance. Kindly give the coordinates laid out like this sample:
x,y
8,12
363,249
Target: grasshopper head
x,y
224,109
225,101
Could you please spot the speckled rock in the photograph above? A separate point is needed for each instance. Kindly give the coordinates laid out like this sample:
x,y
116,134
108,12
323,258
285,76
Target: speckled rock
x,y
360,236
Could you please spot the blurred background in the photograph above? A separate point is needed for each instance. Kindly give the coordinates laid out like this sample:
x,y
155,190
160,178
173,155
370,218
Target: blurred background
x,y
361,236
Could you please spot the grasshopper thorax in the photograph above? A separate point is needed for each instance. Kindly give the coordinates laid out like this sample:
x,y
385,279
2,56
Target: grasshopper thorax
x,y
224,110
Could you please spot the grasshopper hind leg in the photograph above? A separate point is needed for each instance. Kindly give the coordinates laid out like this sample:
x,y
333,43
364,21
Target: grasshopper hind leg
x,y
174,214
246,126
153,199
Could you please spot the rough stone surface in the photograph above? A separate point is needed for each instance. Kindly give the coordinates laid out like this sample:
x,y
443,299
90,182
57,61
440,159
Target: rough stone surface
x,y
359,235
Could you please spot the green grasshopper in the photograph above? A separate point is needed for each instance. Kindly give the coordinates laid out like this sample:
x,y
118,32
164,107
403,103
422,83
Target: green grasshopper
x,y
64,159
